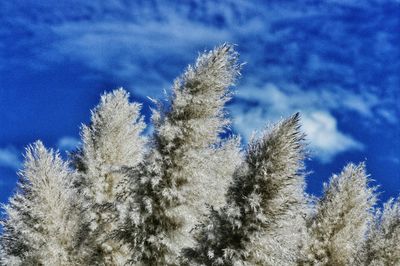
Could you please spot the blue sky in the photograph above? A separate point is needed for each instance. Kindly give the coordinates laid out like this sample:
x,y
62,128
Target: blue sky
x,y
337,62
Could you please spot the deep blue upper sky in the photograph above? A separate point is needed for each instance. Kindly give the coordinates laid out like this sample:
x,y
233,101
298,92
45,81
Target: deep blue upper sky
x,y
337,62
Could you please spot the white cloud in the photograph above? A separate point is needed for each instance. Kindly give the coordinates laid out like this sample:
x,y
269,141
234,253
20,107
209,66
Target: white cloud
x,y
9,157
68,143
256,107
326,140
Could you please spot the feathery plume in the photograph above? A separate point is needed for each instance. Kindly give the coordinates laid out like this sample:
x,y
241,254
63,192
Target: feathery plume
x,y
263,221
384,238
41,223
338,230
112,143
189,165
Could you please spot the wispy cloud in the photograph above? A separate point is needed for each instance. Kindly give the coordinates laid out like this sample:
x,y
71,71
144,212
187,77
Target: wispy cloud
x,y
10,157
311,60
68,143
122,49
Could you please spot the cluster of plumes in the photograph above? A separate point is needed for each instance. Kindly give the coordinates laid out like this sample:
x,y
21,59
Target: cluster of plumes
x,y
188,164
187,196
262,222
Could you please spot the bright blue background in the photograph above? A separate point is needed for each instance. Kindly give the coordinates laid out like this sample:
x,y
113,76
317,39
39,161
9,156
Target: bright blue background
x,y
337,62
